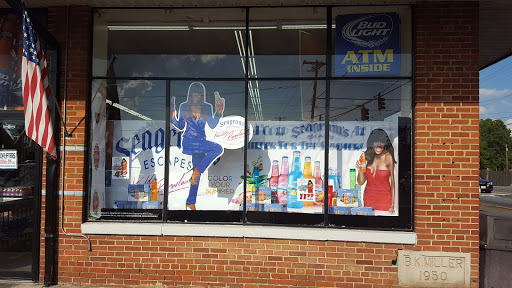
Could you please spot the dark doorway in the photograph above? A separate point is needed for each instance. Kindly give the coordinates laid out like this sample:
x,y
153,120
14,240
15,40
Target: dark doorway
x,y
20,199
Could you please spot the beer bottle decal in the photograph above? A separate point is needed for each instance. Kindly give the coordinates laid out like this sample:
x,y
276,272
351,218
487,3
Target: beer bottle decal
x,y
292,200
154,191
218,100
353,179
319,184
282,181
274,182
255,186
308,174
7,30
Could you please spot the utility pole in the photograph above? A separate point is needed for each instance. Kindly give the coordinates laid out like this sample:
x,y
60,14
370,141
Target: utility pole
x,y
506,157
316,66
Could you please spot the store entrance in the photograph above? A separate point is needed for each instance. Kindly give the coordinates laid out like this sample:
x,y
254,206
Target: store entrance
x,y
20,201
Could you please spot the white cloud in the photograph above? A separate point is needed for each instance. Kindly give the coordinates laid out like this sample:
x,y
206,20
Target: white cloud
x,y
146,74
491,94
509,124
211,59
205,59
495,104
140,85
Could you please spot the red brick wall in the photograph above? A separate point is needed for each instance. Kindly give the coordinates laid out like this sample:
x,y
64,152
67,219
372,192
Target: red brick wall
x,y
446,192
78,46
447,129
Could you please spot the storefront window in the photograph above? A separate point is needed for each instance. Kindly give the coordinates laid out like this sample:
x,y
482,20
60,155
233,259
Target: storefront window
x,y
281,141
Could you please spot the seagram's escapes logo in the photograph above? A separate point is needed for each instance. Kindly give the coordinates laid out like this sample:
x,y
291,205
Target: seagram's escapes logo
x,y
369,31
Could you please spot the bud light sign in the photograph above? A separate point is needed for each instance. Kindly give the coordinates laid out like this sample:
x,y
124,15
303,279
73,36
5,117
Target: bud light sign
x,y
367,44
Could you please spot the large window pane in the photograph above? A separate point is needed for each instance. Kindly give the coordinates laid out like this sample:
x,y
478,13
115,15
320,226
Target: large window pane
x,y
127,140
287,42
170,42
285,156
207,139
364,155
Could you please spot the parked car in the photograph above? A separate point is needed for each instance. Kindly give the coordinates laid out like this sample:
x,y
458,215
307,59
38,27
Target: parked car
x,y
485,185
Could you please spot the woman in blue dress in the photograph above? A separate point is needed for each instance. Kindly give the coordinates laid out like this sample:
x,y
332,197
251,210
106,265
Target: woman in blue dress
x,y
192,118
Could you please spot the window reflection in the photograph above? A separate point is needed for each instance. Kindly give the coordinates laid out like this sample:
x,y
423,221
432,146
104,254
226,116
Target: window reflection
x,y
177,43
286,50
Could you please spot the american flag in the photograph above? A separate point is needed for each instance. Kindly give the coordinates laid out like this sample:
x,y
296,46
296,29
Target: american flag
x,y
38,125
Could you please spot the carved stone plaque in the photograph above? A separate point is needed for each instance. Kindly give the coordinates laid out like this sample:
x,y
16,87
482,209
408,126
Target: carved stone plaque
x,y
434,269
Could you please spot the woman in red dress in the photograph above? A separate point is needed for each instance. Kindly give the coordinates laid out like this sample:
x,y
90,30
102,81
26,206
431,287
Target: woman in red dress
x,y
379,192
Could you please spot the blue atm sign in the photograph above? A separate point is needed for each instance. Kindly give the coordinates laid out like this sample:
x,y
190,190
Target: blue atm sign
x,y
367,45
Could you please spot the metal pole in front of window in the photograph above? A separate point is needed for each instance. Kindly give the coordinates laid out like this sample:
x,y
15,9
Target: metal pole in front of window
x,y
327,107
246,138
168,125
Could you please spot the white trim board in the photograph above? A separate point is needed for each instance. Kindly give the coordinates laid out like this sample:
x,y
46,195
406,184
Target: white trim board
x,y
249,231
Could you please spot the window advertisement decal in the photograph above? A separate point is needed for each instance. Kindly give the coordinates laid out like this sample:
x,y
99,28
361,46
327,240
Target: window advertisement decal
x,y
204,136
367,45
286,168
98,155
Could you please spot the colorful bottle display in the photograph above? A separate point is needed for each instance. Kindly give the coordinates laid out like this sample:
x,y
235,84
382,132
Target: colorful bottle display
x,y
330,188
292,200
308,174
273,182
255,190
282,181
154,191
319,184
333,175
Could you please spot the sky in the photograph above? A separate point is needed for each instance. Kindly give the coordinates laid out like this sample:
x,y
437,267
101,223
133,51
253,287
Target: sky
x,y
496,92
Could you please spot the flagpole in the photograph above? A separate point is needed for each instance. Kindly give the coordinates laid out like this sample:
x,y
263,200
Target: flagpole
x,y
64,144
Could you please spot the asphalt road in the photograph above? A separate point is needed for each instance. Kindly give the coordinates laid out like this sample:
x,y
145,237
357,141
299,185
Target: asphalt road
x,y
498,201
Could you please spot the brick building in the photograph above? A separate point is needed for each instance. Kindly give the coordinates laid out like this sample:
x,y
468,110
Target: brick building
x,y
298,69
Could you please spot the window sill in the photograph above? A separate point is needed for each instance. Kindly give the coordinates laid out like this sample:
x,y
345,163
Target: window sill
x,y
249,231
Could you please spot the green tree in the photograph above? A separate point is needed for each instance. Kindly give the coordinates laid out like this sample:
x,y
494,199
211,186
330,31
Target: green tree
x,y
494,137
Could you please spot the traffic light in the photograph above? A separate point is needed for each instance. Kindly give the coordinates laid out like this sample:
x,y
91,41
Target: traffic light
x,y
381,102
365,115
